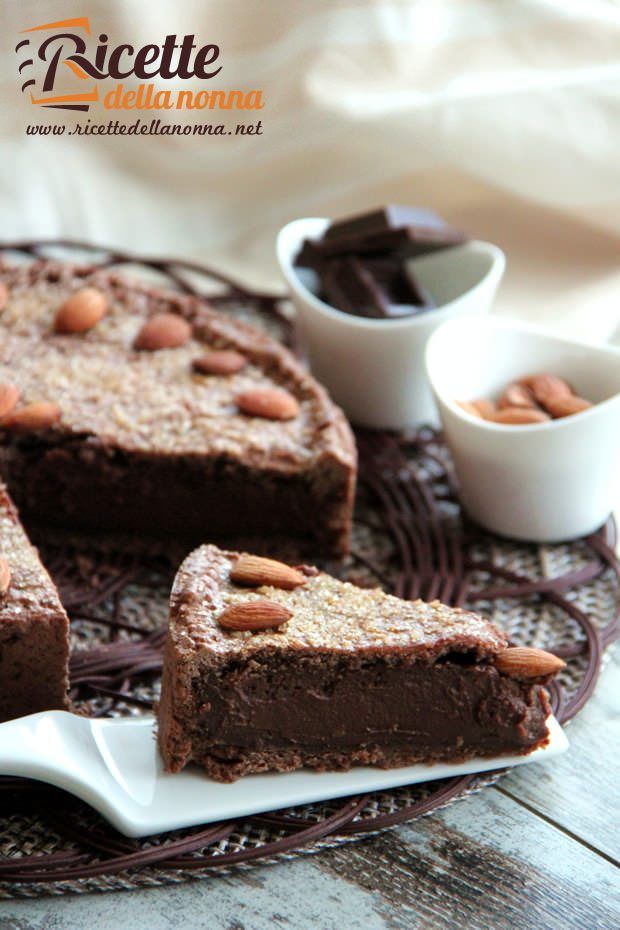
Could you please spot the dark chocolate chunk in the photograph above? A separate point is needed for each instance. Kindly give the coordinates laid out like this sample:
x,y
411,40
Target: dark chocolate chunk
x,y
406,242
350,287
399,284
390,217
372,287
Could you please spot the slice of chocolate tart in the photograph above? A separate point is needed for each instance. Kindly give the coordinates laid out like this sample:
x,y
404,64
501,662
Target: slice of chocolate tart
x,y
34,628
135,410
272,668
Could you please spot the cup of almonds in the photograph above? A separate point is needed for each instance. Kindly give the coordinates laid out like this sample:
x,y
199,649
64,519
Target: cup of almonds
x,y
532,421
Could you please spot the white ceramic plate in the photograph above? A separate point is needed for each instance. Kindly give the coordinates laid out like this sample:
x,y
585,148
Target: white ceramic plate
x,y
115,767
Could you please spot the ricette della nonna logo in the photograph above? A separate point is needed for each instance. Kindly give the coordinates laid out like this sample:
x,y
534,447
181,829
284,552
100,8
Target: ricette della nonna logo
x,y
62,66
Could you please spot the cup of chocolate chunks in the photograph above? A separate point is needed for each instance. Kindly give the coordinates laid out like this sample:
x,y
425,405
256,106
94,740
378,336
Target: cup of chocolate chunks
x,y
368,291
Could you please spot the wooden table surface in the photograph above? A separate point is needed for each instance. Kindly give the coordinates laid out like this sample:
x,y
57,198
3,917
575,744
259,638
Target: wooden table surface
x,y
539,851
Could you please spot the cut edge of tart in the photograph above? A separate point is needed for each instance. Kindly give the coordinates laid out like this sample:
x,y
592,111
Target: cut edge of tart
x,y
34,627
319,673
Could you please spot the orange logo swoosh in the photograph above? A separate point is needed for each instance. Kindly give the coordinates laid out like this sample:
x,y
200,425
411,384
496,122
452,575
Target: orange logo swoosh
x,y
80,21
68,98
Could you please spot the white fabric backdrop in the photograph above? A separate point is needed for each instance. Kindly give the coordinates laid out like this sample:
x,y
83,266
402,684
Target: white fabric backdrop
x,y
503,115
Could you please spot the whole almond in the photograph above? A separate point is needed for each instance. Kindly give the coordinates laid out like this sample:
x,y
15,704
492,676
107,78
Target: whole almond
x,y
486,408
163,331
269,403
523,663
254,616
81,311
566,406
34,417
545,385
517,395
470,408
5,576
4,295
9,395
519,416
254,571
220,362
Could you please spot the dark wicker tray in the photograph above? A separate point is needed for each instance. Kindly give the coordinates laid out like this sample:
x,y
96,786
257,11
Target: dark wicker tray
x,y
410,537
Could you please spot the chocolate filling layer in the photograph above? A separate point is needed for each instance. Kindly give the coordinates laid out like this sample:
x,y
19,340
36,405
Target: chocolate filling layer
x,y
452,705
82,484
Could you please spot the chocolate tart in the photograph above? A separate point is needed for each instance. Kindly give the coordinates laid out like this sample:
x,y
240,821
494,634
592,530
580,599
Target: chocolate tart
x,y
34,628
353,677
148,438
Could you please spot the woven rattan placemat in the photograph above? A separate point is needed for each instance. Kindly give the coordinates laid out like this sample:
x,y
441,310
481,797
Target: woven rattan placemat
x,y
410,537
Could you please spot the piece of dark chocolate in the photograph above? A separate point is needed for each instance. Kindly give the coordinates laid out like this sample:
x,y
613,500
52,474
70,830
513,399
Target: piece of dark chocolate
x,y
406,242
399,283
378,288
350,287
393,216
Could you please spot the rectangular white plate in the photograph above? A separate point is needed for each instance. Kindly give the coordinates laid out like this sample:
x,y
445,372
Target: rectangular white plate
x,y
115,766
168,801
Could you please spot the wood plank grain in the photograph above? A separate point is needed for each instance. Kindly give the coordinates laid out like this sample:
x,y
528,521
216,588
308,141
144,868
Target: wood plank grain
x,y
581,790
483,863
295,895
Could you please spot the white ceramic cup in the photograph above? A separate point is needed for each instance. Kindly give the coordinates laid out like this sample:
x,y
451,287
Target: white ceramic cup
x,y
546,482
375,368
